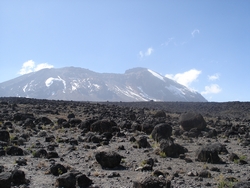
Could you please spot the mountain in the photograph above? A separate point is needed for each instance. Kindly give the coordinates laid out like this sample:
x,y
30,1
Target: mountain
x,y
71,83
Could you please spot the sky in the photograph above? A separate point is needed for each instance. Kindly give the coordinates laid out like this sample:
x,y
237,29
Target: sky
x,y
204,45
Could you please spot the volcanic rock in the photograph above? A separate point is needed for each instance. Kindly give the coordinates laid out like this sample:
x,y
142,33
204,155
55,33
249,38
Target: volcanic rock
x,y
209,154
172,149
191,120
108,158
5,179
151,182
4,136
161,131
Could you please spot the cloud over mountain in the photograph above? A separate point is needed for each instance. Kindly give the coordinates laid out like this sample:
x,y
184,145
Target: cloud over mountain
x,y
30,66
211,89
148,52
185,78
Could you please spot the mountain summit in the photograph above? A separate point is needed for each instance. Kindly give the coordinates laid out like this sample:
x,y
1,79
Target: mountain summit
x,y
71,83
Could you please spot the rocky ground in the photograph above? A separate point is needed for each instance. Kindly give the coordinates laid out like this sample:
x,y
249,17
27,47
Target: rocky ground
x,y
140,144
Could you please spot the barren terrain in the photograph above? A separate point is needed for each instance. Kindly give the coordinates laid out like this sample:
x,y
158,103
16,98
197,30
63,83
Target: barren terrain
x,y
37,136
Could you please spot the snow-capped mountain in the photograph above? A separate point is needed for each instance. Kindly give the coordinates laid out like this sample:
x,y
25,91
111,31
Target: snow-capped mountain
x,y
71,83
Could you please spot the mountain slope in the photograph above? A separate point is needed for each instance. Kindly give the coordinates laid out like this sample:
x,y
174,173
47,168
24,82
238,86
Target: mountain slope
x,y
71,83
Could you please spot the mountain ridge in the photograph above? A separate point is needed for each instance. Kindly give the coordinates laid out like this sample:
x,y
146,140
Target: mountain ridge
x,y
75,83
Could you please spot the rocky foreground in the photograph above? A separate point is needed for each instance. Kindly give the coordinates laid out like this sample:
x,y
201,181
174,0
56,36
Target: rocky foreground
x,y
141,145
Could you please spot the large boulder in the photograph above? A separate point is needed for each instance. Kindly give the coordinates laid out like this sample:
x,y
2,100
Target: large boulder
x,y
57,169
143,142
160,113
14,151
108,158
40,153
209,154
73,179
44,120
147,127
192,120
161,131
172,149
4,136
220,148
151,182
102,126
18,177
5,179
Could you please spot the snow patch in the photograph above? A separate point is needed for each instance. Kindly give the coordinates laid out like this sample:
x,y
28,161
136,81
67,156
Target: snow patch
x,y
74,85
157,75
97,86
176,91
51,80
24,88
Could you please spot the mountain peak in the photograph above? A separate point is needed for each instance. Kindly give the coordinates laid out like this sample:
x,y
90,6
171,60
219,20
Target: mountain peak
x,y
74,83
135,70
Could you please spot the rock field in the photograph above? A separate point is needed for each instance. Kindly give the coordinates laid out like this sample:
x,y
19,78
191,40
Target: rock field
x,y
68,144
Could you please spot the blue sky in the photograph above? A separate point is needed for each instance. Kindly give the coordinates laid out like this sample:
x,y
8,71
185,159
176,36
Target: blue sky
x,y
204,45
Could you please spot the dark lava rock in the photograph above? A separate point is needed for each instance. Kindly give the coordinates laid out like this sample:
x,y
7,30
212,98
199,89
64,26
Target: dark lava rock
x,y
83,181
143,142
2,151
191,120
67,180
149,163
86,124
233,157
161,131
125,125
160,113
18,177
208,153
205,174
15,151
102,126
28,123
52,154
21,116
193,133
43,120
147,128
151,182
220,148
5,179
71,116
60,121
92,137
4,136
74,122
1,168
171,149
243,184
108,158
72,180
57,169
40,153
21,161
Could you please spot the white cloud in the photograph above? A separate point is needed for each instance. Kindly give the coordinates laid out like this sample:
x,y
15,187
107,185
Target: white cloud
x,y
168,41
30,66
214,77
141,54
212,89
185,78
194,32
147,53
43,66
